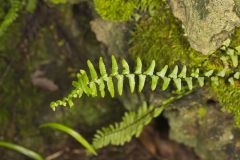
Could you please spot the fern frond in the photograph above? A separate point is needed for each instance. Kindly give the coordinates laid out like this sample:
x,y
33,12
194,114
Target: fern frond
x,y
179,76
120,133
11,15
131,125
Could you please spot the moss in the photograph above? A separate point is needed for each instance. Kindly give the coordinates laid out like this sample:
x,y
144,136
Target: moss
x,y
235,38
115,10
159,36
229,97
58,1
31,5
202,112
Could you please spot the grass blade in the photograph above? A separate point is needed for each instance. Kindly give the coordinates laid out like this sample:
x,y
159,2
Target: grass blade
x,y
22,150
72,133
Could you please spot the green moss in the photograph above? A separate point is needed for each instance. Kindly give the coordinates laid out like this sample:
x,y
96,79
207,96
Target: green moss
x,y
202,112
159,36
58,1
229,97
31,5
115,10
235,39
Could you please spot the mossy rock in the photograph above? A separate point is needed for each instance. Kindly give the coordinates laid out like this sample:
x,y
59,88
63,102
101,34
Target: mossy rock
x,y
159,36
197,121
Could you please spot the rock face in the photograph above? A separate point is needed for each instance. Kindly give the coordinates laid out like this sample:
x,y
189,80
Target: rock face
x,y
207,23
202,125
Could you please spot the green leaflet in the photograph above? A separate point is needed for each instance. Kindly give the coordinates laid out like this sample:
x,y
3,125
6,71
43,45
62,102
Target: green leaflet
x,y
120,84
222,73
110,86
92,70
174,73
125,66
189,82
84,82
93,89
178,83
209,73
201,81
237,75
131,79
101,87
22,150
70,102
166,82
102,68
114,66
72,133
234,60
151,68
233,56
195,73
138,69
163,72
154,82
142,79
183,73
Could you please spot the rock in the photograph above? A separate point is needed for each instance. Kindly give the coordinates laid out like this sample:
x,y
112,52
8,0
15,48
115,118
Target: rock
x,y
207,23
111,34
202,125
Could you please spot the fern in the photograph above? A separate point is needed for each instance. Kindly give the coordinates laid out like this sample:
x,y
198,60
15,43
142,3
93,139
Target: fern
x,y
11,16
131,125
179,76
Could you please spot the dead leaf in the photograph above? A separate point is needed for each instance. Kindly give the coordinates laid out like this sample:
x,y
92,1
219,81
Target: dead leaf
x,y
42,82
